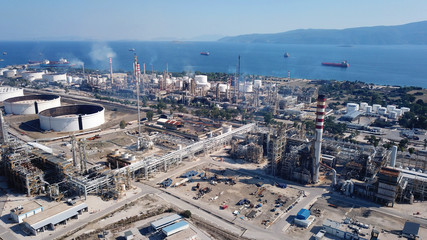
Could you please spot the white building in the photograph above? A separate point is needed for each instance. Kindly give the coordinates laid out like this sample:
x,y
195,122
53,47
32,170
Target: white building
x,y
26,210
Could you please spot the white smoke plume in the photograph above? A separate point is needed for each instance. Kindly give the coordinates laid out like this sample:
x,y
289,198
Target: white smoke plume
x,y
101,52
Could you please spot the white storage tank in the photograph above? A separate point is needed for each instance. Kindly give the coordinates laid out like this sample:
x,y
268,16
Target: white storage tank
x,y
375,108
226,128
249,87
382,111
222,87
391,108
352,107
363,106
392,114
368,109
31,104
405,110
155,81
72,118
201,79
59,77
257,84
9,73
31,76
9,92
2,70
399,112
168,81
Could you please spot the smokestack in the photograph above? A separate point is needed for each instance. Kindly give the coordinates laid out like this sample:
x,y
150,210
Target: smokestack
x,y
111,71
320,118
393,156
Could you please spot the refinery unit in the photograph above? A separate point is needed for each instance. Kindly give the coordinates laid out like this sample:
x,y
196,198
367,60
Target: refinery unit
x,y
154,147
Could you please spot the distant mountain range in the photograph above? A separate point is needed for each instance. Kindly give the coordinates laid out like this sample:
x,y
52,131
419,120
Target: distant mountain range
x,y
411,33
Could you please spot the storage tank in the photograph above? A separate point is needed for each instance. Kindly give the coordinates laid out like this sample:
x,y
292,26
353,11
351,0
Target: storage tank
x,y
352,107
391,108
363,106
201,79
375,108
168,81
223,87
392,114
368,109
399,112
9,73
31,76
9,92
405,110
31,104
249,87
2,70
257,84
178,83
60,77
226,128
382,111
241,87
69,79
155,81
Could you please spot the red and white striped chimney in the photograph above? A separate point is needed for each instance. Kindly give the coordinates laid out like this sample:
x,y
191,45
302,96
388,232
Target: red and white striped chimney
x,y
320,118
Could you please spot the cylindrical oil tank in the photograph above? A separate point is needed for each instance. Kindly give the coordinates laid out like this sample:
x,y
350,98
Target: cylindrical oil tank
x,y
375,108
155,81
72,118
222,87
392,115
9,92
201,79
382,111
257,84
31,76
368,109
249,88
363,106
31,104
9,73
391,108
351,107
399,112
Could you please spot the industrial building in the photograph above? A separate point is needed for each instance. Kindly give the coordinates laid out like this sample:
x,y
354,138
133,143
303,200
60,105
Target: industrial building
x,y
175,228
31,104
23,211
165,221
339,230
72,118
304,218
51,217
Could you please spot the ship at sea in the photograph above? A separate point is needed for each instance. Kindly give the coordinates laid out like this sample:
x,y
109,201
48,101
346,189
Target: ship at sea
x,y
46,63
205,53
342,64
286,55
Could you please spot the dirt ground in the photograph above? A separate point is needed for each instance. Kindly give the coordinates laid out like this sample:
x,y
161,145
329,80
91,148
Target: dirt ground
x,y
225,194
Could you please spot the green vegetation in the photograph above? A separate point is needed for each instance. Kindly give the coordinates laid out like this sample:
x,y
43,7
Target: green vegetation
x,y
122,124
186,214
373,140
111,99
216,113
268,118
334,128
150,115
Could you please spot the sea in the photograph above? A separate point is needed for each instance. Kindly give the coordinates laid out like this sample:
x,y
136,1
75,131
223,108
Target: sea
x,y
397,65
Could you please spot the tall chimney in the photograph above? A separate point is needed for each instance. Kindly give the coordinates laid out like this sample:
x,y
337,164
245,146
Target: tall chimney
x,y
320,118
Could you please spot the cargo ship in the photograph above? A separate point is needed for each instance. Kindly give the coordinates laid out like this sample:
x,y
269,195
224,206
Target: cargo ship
x,y
286,55
343,64
46,63
205,53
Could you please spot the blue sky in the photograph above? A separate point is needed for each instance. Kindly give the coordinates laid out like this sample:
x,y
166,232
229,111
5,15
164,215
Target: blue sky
x,y
196,19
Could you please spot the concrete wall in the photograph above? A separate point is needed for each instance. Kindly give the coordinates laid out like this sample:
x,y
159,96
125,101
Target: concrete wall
x,y
9,92
29,108
71,123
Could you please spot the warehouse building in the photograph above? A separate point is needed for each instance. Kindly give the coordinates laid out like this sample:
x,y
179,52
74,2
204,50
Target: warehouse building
x,y
26,210
48,219
175,228
165,221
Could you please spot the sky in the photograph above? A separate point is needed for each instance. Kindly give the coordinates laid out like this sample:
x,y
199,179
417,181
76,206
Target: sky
x,y
110,20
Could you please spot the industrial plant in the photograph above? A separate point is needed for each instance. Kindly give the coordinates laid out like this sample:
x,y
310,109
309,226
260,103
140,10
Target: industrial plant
x,y
248,150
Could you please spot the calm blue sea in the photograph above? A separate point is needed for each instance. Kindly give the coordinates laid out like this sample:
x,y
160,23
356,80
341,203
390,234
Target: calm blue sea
x,y
403,65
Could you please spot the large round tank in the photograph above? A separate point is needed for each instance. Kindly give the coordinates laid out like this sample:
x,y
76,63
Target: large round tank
x,y
201,79
382,111
31,104
249,88
222,87
155,81
363,106
31,76
405,110
392,114
60,77
226,128
390,108
9,73
375,108
351,107
368,109
399,112
72,118
257,84
9,92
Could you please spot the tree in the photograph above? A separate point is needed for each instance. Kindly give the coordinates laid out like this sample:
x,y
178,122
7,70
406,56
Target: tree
x,y
186,213
403,144
411,150
373,140
150,115
268,118
122,124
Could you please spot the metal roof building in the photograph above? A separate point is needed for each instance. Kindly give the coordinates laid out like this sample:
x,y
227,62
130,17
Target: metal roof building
x,y
49,218
165,221
174,228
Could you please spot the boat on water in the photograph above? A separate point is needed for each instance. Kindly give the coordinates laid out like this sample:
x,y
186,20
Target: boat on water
x,y
131,49
4,53
286,55
205,53
343,64
46,63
